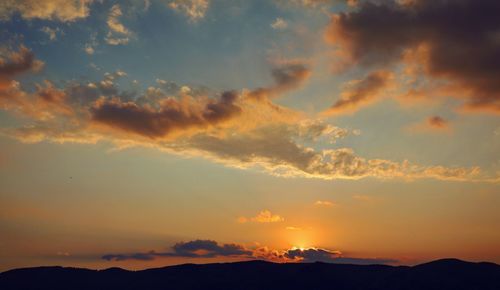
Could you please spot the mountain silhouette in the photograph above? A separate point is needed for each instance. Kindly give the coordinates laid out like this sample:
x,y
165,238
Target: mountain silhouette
x,y
446,274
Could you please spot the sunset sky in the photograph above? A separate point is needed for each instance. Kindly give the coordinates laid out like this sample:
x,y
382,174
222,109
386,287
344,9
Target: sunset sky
x,y
143,133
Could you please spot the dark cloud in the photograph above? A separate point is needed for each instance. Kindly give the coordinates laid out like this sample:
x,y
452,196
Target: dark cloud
x,y
311,255
286,76
191,249
208,248
172,115
437,122
362,92
321,255
137,256
16,63
455,41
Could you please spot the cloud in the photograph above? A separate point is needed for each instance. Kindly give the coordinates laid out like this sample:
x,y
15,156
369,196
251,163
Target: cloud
x,y
274,150
311,255
229,128
433,124
172,115
324,203
51,32
118,33
279,24
459,59
43,105
194,10
208,248
89,47
212,249
191,249
12,65
287,76
264,216
361,197
212,128
437,122
360,93
310,4
18,62
59,10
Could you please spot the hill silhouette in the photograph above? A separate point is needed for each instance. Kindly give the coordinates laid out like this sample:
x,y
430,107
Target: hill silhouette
x,y
443,274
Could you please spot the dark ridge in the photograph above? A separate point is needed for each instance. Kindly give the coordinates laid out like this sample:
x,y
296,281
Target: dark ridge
x,y
446,274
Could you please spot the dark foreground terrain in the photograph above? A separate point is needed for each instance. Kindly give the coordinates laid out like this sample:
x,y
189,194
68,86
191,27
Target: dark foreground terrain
x,y
439,275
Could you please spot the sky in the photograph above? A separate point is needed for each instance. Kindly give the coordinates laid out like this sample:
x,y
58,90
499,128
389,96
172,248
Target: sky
x,y
145,133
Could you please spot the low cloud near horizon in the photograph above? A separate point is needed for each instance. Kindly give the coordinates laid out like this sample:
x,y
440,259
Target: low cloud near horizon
x,y
213,249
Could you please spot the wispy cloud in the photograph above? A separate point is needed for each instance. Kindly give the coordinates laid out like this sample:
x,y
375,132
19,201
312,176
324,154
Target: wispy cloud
x,y
194,10
118,33
324,203
51,32
279,24
432,124
264,216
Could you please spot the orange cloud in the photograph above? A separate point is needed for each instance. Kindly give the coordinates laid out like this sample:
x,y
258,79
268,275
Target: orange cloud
x,y
171,116
61,10
118,33
437,122
264,216
363,92
15,63
432,124
287,76
194,10
324,203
